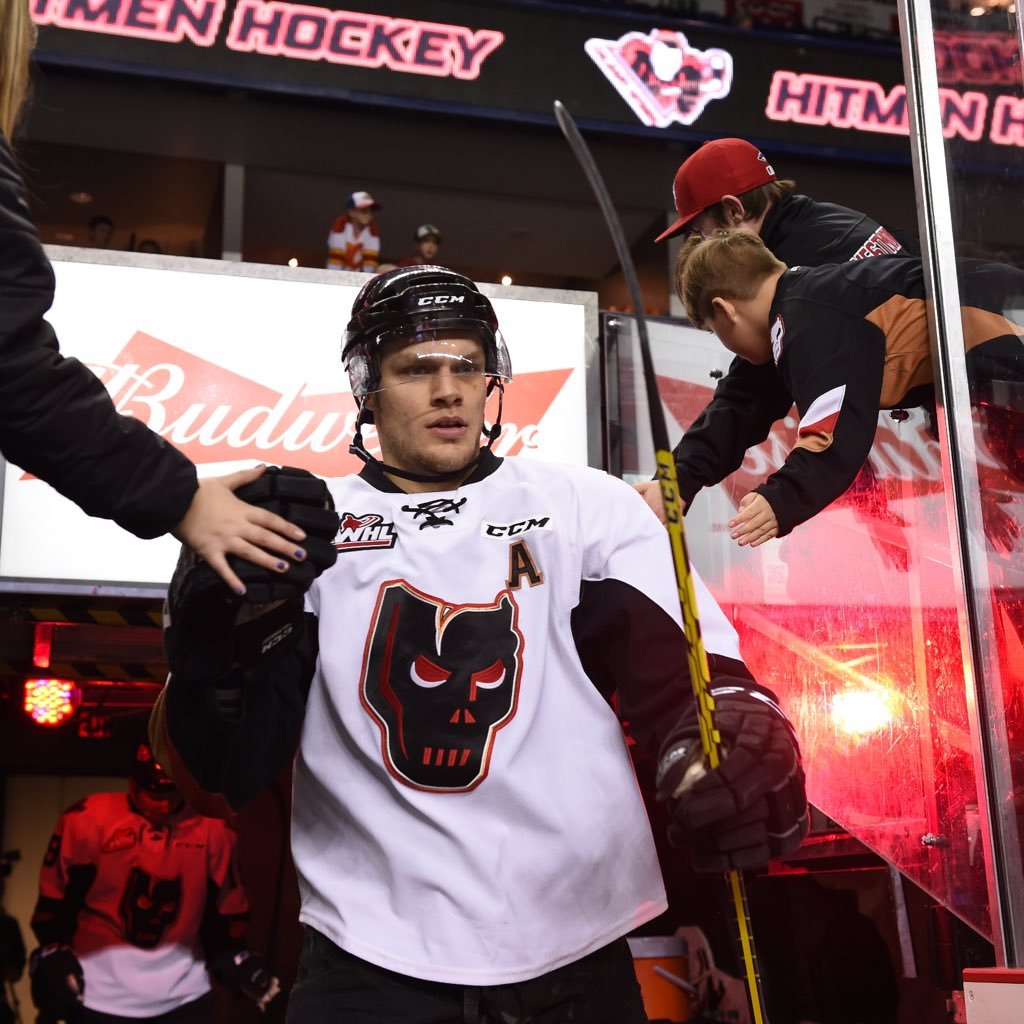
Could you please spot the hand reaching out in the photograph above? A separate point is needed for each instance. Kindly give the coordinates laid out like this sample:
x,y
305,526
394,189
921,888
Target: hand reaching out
x,y
650,491
218,524
755,521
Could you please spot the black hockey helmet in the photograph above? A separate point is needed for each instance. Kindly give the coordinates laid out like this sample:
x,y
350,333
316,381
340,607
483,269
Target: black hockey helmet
x,y
415,303
151,792
146,773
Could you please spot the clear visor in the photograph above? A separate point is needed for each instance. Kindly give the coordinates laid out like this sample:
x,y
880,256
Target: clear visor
x,y
425,354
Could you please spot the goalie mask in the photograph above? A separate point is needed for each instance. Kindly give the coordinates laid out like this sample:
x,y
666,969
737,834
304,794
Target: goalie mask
x,y
419,304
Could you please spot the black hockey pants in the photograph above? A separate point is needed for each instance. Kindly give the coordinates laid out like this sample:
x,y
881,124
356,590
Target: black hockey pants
x,y
335,987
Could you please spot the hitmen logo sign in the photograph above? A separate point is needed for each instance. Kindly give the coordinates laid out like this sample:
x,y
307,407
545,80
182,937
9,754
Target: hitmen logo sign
x,y
662,77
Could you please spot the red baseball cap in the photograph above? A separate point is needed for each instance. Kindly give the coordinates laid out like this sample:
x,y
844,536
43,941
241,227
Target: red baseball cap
x,y
721,167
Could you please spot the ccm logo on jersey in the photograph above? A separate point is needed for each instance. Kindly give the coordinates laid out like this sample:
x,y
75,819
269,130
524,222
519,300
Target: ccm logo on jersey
x,y
778,332
440,300
356,533
515,529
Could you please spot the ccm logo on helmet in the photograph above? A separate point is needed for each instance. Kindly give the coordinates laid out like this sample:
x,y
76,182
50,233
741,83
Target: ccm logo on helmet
x,y
439,300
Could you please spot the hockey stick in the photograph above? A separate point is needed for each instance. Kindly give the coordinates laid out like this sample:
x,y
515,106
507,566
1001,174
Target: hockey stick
x,y
669,483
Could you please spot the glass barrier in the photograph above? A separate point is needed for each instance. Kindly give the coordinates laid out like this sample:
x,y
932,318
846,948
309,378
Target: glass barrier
x,y
968,185
850,620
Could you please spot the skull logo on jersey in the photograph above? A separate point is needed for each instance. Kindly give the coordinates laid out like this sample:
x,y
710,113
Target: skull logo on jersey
x,y
440,680
149,906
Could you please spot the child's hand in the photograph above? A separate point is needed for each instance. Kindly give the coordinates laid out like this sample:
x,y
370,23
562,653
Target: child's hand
x,y
755,521
650,490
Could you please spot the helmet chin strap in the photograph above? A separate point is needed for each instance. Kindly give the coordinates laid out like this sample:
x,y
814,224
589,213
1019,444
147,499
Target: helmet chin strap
x,y
492,433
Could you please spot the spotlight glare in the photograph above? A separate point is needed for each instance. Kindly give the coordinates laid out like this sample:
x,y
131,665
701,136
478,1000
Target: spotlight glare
x,y
51,701
861,712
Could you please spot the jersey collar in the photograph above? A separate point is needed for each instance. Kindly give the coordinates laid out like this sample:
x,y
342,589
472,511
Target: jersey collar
x,y
375,476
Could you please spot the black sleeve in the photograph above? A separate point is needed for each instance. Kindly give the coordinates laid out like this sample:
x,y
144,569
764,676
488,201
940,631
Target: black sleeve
x,y
630,646
55,920
220,934
833,363
224,743
56,419
747,402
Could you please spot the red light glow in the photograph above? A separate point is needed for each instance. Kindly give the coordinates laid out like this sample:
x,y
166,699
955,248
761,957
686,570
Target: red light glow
x,y
51,701
861,712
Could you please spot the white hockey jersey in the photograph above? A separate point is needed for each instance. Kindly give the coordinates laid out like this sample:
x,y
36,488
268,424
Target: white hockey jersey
x,y
465,808
136,898
353,246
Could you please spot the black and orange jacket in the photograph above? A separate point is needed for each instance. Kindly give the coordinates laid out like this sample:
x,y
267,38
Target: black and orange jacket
x,y
749,399
851,339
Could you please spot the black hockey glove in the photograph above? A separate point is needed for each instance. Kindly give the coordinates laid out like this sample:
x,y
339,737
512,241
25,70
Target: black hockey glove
x,y
246,973
302,499
58,983
208,628
753,806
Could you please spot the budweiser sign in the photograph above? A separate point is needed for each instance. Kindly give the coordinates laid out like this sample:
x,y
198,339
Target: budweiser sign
x,y
216,415
235,370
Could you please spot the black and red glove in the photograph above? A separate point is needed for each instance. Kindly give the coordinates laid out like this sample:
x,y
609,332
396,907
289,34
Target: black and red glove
x,y
245,972
304,500
753,806
57,981
207,628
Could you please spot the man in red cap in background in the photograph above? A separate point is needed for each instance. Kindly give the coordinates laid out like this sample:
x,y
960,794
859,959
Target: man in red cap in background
x,y
353,242
729,184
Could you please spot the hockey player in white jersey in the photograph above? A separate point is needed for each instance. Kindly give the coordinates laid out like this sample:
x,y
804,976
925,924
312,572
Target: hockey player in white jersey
x,y
469,836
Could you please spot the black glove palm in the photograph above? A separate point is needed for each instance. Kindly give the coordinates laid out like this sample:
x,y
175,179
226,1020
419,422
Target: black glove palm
x,y
753,806
57,981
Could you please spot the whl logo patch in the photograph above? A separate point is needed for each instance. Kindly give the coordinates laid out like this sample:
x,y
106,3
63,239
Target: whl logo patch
x,y
662,77
120,839
357,533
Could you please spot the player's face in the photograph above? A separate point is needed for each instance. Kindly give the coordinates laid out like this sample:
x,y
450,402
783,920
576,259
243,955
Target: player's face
x,y
429,411
428,248
361,217
741,333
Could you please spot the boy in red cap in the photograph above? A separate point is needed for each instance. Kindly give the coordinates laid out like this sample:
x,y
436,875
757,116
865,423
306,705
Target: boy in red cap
x,y
353,242
729,184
